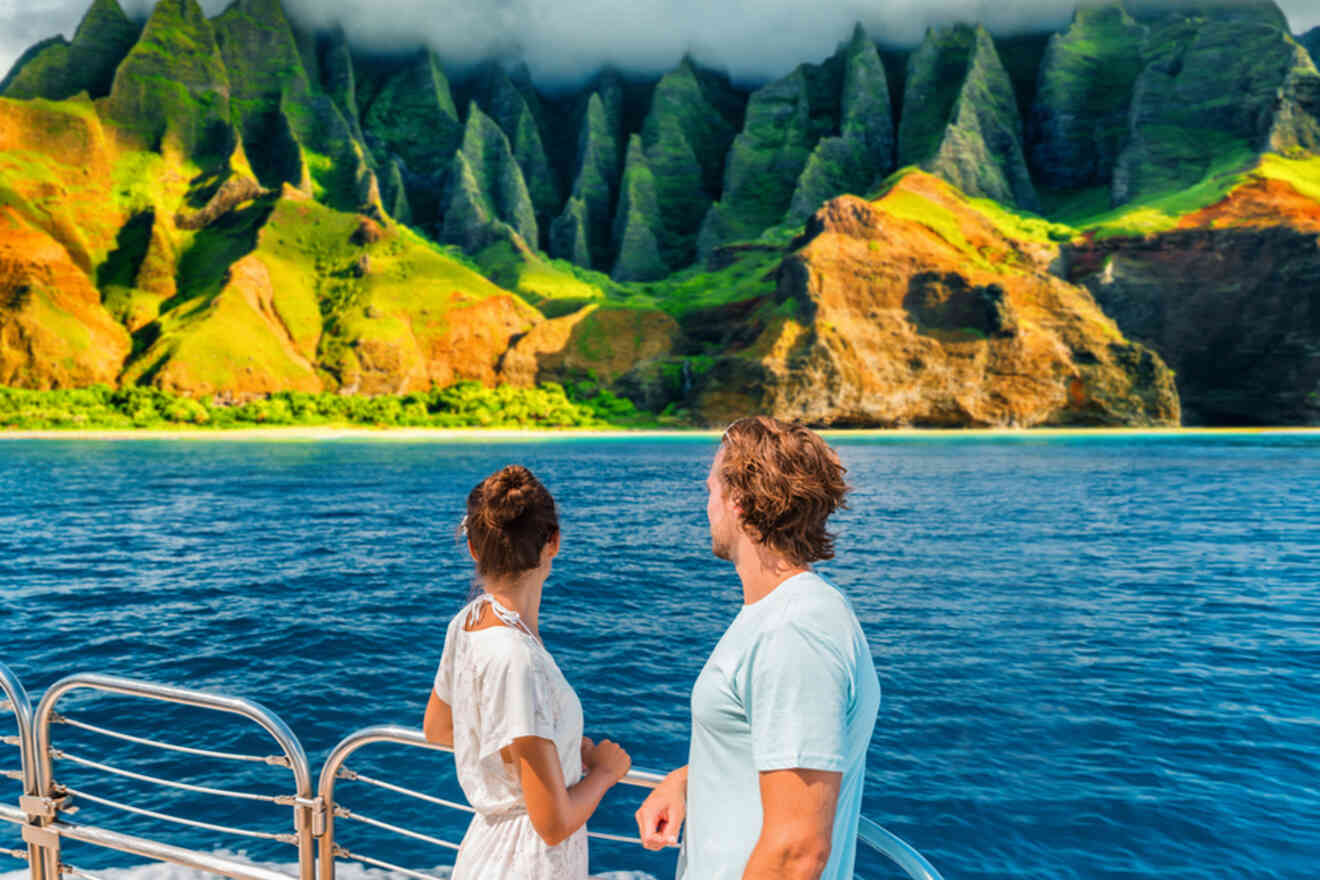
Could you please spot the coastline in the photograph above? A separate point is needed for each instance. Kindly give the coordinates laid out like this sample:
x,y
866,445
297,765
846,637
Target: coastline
x,y
513,435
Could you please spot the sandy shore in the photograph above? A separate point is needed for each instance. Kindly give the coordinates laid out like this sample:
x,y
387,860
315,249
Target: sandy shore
x,y
502,435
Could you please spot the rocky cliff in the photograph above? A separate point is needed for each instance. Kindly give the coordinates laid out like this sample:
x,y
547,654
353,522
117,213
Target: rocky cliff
x,y
822,130
1230,299
486,186
686,135
57,69
241,204
1180,125
1079,122
961,119
882,317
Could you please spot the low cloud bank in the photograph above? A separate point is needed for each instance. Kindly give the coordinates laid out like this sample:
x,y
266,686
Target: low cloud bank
x,y
563,41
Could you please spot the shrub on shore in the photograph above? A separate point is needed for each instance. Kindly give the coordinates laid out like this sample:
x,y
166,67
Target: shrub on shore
x,y
462,405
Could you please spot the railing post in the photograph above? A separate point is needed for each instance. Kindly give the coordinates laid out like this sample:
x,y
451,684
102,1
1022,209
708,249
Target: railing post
x,y
40,861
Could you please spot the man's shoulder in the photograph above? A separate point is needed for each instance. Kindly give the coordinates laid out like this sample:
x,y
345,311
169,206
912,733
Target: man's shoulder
x,y
816,603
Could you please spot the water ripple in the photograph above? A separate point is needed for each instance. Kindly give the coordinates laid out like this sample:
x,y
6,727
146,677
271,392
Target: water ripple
x,y
1099,656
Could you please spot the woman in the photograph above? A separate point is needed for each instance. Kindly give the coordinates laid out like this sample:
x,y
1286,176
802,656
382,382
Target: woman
x,y
500,701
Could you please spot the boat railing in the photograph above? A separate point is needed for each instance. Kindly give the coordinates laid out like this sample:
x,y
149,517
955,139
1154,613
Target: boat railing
x,y
336,768
46,805
15,703
54,799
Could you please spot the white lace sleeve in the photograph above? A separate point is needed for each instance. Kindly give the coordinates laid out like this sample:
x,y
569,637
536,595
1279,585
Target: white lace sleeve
x,y
515,699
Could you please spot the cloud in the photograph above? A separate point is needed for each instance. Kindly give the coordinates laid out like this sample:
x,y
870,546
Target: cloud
x,y
563,40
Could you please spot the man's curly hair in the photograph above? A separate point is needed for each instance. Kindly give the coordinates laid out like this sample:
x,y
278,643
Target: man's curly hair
x,y
786,481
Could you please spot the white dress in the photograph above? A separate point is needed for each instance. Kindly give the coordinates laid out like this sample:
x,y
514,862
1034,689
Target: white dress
x,y
502,684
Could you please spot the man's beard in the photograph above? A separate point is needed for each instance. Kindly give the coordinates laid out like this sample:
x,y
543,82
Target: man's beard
x,y
721,547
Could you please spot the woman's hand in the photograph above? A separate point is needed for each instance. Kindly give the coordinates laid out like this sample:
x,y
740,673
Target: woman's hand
x,y
607,757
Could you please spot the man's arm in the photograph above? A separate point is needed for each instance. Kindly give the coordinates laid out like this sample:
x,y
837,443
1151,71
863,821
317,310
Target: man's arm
x,y
661,815
797,808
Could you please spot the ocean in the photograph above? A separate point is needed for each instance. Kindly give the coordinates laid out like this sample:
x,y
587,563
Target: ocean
x,y
1100,656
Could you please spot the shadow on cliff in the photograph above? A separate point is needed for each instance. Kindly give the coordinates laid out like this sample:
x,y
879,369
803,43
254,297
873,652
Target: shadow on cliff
x,y
945,307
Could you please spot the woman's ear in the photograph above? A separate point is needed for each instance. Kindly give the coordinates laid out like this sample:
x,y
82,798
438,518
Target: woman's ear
x,y
472,552
551,548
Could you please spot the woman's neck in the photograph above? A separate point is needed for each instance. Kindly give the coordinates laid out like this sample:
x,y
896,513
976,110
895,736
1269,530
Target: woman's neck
x,y
520,594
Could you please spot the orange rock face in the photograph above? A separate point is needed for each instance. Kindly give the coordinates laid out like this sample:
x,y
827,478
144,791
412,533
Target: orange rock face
x,y
882,320
598,342
54,332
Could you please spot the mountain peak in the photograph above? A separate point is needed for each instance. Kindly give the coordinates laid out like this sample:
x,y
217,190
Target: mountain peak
x,y
58,69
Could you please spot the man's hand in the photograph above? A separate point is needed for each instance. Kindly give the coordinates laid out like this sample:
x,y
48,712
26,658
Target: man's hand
x,y
660,817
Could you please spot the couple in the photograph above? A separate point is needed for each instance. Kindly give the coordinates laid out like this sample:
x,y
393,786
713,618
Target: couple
x,y
782,713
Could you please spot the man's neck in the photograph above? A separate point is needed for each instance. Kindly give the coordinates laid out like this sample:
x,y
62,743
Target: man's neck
x,y
761,572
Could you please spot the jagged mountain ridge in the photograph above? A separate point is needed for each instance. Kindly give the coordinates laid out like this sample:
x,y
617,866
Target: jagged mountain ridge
x,y
636,178
729,164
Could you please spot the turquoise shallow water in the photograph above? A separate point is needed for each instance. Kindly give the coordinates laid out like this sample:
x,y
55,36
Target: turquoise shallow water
x,y
1100,656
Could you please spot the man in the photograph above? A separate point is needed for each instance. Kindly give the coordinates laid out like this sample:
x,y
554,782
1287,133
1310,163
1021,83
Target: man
x,y
783,711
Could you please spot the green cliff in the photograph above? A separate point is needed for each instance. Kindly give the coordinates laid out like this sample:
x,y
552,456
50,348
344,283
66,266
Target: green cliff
x,y
686,136
1311,41
338,78
961,120
172,90
581,234
820,131
253,208
636,240
408,112
505,103
59,69
764,163
1079,123
1215,90
486,185
863,150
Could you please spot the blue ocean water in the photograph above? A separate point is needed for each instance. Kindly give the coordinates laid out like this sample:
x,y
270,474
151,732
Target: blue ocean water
x,y
1100,656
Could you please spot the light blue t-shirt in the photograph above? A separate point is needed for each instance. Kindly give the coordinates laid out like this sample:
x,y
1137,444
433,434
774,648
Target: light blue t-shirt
x,y
790,685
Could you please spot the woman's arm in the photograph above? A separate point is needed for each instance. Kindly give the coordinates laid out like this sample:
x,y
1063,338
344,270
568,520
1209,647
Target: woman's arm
x,y
438,724
557,810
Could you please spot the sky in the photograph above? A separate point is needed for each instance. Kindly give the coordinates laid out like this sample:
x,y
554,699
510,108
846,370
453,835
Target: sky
x,y
566,40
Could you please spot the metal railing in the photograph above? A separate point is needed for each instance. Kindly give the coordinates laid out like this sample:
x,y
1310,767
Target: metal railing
x,y
336,768
45,805
53,796
14,700
898,851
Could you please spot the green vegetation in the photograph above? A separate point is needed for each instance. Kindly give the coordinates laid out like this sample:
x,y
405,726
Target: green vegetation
x,y
556,287
935,76
1161,211
686,137
582,232
1086,84
636,240
492,185
463,405
751,275
173,84
56,69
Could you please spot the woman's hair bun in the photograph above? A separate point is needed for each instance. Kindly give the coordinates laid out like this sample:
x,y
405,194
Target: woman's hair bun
x,y
511,494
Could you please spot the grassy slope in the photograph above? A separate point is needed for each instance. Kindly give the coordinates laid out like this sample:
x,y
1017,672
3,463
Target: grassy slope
x,y
324,307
